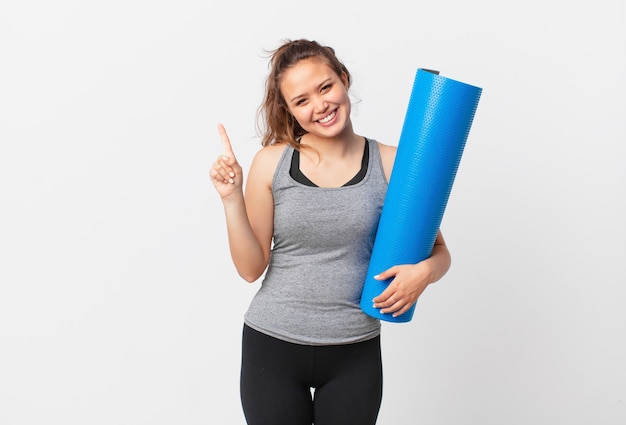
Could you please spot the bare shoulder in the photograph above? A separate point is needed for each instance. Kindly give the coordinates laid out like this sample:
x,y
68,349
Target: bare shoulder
x,y
271,152
388,156
387,151
265,161
268,156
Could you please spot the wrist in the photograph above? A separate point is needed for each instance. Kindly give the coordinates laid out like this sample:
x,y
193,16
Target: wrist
x,y
233,200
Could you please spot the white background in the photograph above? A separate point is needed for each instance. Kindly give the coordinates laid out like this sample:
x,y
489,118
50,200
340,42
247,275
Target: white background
x,y
118,300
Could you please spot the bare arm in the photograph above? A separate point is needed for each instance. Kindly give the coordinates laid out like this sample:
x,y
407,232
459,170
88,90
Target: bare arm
x,y
249,218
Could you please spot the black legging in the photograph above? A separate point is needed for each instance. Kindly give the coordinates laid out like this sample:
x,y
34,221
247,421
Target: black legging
x,y
277,377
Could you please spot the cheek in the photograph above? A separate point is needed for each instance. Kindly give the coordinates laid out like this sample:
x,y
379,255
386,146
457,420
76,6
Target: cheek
x,y
300,114
345,96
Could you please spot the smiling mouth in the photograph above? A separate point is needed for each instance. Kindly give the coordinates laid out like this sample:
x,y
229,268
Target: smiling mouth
x,y
328,117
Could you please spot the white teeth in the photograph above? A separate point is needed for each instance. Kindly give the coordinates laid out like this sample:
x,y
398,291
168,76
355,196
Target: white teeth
x,y
328,117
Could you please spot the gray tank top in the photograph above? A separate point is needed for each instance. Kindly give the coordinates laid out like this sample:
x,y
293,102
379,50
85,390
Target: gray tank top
x,y
323,239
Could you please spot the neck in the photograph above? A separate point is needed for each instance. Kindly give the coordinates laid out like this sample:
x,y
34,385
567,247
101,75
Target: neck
x,y
319,151
339,146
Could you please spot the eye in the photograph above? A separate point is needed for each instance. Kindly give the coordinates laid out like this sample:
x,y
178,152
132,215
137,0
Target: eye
x,y
326,87
300,102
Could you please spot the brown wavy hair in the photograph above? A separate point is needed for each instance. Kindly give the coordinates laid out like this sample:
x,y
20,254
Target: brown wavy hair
x,y
275,123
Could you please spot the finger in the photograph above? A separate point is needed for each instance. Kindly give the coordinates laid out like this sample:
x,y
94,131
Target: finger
x,y
386,298
395,302
401,311
388,276
389,273
392,306
228,149
220,173
216,175
226,167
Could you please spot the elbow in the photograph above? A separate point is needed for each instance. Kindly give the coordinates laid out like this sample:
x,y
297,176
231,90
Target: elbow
x,y
447,262
442,261
251,276
250,270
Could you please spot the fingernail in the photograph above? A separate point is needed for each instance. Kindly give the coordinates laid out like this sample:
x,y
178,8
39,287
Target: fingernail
x,y
231,174
231,181
377,276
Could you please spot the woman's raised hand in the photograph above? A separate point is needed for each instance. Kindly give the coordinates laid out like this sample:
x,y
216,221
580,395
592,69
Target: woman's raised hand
x,y
226,173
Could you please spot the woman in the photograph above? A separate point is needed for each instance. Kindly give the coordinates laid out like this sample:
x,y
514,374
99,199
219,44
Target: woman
x,y
308,219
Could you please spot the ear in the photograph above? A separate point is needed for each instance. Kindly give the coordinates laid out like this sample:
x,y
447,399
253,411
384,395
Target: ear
x,y
344,80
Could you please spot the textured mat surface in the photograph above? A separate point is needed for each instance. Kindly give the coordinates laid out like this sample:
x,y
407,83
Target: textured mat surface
x,y
435,129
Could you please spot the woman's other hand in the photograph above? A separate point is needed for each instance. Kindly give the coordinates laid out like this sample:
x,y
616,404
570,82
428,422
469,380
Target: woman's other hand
x,y
410,280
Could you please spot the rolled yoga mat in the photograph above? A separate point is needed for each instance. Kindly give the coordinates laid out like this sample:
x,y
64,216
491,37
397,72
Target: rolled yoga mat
x,y
435,129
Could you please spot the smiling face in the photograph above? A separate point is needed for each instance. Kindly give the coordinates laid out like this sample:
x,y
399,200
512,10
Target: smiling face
x,y
317,97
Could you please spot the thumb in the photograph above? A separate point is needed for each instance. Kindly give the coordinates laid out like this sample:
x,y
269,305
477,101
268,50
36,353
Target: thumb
x,y
228,150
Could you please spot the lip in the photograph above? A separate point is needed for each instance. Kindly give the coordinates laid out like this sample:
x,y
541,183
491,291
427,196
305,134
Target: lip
x,y
332,120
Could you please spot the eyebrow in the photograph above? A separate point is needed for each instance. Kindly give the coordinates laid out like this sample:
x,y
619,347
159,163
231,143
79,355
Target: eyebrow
x,y
319,85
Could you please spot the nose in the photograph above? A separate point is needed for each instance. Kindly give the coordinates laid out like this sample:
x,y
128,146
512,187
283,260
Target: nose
x,y
320,104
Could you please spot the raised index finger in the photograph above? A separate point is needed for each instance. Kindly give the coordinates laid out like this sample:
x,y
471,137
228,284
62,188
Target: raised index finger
x,y
228,150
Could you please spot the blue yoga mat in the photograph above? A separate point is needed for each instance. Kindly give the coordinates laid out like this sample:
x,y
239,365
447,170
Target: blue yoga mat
x,y
435,129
